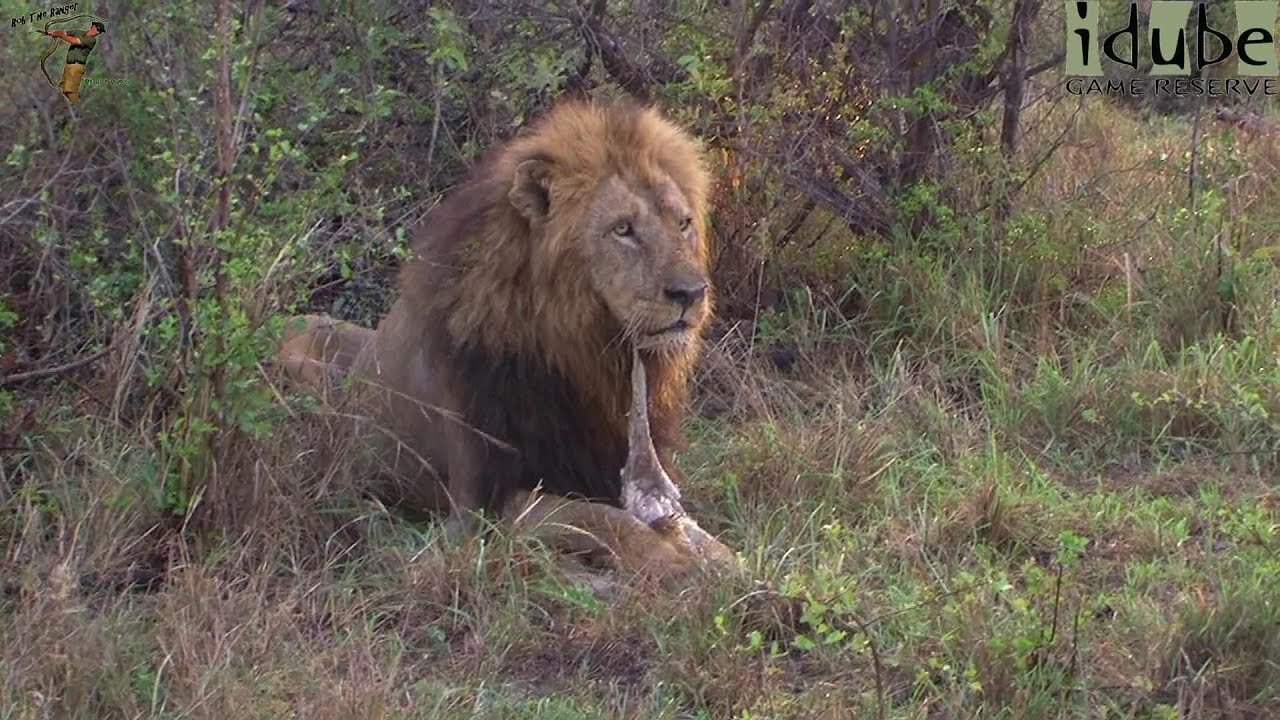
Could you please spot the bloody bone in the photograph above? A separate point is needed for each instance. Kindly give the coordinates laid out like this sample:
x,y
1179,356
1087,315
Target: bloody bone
x,y
647,490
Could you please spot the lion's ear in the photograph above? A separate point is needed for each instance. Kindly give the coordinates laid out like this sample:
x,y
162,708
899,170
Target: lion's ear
x,y
531,192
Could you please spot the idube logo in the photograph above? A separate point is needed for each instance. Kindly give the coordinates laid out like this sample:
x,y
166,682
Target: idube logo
x,y
1170,31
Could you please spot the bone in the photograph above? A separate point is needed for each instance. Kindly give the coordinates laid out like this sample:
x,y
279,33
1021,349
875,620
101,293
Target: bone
x,y
647,489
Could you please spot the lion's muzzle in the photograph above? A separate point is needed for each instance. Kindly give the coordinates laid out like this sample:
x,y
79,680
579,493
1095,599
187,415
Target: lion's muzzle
x,y
686,294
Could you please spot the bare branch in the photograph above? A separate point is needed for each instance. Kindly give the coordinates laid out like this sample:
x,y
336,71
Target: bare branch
x,y
1049,64
746,35
633,78
51,371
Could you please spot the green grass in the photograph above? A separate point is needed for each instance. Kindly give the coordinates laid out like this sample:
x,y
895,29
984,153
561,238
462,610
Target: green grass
x,y
992,577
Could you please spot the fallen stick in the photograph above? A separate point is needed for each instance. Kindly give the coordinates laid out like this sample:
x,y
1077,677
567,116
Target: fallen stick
x,y
41,373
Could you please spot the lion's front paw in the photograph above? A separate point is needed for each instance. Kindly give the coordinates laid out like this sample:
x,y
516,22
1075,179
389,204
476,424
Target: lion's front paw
x,y
674,550
661,553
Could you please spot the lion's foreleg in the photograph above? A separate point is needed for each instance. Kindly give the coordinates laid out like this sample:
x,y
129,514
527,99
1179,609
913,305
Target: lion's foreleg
x,y
601,533
322,351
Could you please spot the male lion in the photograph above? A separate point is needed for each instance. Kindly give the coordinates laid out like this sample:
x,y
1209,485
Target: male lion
x,y
505,365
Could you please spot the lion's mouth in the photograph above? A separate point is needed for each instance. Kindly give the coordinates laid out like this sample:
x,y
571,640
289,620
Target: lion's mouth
x,y
674,328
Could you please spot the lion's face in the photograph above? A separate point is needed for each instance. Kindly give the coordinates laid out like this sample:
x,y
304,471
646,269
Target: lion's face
x,y
638,238
643,251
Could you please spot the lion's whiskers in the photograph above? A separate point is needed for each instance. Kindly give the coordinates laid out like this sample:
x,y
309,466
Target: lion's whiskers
x,y
627,335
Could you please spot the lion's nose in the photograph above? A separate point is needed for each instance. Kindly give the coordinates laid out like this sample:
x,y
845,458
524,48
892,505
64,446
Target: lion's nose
x,y
686,295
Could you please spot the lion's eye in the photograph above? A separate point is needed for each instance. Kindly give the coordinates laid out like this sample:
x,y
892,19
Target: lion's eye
x,y
685,222
623,229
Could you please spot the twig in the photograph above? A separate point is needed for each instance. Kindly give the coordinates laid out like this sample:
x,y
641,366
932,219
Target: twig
x,y
51,371
1035,168
859,215
1057,604
1046,65
438,81
14,207
876,667
89,393
1193,172
637,79
1128,286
